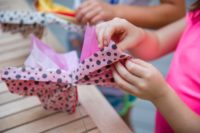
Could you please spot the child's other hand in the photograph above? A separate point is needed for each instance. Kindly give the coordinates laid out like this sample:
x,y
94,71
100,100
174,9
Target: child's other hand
x,y
140,79
123,33
92,11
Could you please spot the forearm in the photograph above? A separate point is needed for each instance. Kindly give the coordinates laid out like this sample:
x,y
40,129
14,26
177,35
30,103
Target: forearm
x,y
148,48
158,43
178,115
150,16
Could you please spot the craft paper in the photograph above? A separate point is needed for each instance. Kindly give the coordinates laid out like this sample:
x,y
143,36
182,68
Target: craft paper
x,y
50,6
30,21
56,85
30,17
45,57
25,30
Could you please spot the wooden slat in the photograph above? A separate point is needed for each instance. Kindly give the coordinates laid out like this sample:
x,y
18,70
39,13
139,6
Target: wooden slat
x,y
8,97
11,55
106,118
17,5
17,106
48,122
89,123
4,7
3,87
4,34
19,44
7,38
79,126
24,117
14,62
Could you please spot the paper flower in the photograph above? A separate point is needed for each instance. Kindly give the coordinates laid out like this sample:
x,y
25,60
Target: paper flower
x,y
54,77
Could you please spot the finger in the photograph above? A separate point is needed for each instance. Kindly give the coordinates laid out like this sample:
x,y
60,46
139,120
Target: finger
x,y
89,15
83,10
81,14
141,62
124,43
111,28
97,19
117,32
135,69
99,32
126,75
84,4
115,27
108,33
125,86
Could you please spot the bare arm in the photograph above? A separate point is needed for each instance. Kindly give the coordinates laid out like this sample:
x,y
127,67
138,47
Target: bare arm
x,y
152,16
141,79
179,116
160,42
143,44
92,11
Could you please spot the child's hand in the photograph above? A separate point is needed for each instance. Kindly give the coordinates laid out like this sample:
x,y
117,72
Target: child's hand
x,y
141,79
92,11
123,33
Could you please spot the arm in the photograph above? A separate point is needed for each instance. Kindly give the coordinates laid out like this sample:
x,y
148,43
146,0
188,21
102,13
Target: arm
x,y
141,79
180,118
158,43
143,44
145,16
152,16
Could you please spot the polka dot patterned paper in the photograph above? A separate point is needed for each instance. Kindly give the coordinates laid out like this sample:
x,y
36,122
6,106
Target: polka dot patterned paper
x,y
57,87
18,21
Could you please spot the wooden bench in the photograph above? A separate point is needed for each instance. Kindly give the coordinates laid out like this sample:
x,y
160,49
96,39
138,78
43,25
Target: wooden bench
x,y
25,114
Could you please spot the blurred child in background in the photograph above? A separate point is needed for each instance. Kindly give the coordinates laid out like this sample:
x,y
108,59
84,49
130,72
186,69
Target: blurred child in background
x,y
139,12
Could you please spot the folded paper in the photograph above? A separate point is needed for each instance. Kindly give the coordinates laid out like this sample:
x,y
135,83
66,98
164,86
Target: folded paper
x,y
54,80
29,21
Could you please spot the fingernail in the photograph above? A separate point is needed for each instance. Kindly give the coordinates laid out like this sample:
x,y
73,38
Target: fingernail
x,y
105,42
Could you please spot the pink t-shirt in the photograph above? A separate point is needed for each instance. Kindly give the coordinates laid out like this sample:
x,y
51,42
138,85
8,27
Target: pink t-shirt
x,y
184,73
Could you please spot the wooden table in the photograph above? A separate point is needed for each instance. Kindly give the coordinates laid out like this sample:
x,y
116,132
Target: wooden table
x,y
26,115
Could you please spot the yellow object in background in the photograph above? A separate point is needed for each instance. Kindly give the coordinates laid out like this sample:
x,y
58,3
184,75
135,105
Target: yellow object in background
x,y
59,10
50,6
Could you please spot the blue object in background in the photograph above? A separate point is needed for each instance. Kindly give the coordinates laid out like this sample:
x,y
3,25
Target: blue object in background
x,y
114,1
